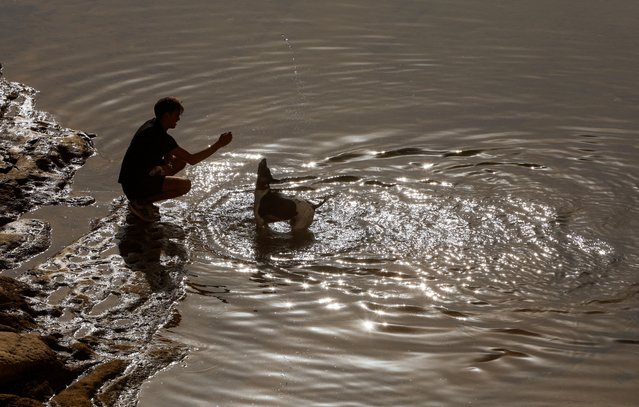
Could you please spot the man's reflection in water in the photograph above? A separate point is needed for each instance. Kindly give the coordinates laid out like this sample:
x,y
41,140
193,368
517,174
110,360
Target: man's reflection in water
x,y
155,249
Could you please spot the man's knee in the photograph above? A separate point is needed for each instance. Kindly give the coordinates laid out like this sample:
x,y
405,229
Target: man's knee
x,y
176,186
187,185
182,186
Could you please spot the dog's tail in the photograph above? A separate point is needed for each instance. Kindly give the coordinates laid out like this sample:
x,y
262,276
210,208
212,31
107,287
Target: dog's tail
x,y
315,206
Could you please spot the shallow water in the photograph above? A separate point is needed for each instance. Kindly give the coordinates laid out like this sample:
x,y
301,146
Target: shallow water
x,y
478,243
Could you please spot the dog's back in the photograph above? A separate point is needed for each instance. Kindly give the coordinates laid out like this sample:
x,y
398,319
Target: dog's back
x,y
273,207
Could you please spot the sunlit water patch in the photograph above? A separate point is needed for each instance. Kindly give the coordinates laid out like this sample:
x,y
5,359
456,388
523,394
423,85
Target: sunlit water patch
x,y
378,235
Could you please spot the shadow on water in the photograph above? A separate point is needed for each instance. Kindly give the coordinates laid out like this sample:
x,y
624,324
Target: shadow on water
x,y
157,250
272,247
270,242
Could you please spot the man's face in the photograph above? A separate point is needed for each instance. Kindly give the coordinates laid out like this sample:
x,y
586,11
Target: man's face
x,y
172,118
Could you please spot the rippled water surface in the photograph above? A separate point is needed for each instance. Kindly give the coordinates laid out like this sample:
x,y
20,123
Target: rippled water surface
x,y
479,161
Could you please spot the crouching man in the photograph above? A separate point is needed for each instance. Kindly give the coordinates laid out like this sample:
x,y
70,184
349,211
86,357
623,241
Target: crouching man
x,y
154,157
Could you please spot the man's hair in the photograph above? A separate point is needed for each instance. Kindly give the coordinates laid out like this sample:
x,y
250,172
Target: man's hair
x,y
167,105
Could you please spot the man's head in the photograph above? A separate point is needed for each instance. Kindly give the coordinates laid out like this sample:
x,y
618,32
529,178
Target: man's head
x,y
167,111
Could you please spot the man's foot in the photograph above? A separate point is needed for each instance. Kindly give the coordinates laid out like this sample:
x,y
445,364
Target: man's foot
x,y
144,211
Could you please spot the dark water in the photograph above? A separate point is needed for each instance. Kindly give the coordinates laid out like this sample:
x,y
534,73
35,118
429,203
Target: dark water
x,y
478,245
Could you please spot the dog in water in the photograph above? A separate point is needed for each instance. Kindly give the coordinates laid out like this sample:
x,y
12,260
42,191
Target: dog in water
x,y
271,206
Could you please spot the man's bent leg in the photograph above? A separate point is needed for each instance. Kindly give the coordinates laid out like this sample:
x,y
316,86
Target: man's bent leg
x,y
173,187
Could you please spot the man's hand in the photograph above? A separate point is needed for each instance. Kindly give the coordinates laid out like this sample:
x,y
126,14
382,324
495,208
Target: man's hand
x,y
224,139
157,171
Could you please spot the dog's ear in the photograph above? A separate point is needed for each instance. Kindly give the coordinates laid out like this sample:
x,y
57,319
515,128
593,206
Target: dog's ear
x,y
265,172
262,169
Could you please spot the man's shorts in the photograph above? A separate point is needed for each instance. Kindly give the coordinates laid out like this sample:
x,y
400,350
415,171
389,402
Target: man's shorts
x,y
143,188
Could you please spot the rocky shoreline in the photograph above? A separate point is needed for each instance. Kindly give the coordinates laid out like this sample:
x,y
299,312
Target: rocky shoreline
x,y
78,329
38,159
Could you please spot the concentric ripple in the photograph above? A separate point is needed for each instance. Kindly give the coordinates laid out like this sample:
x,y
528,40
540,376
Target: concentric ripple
x,y
409,233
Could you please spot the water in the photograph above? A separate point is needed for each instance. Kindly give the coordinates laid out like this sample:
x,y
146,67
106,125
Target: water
x,y
478,244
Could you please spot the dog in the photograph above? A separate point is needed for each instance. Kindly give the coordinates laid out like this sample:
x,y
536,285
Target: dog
x,y
271,206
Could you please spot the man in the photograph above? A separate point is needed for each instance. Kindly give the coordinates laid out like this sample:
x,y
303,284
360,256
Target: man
x,y
153,158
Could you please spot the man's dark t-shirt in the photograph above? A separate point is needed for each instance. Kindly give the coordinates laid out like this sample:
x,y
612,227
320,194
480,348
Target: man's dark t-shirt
x,y
148,149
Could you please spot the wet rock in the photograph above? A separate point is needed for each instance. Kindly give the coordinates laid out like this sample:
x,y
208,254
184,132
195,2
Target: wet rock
x,y
29,368
10,400
101,313
22,354
15,313
31,371
38,159
81,393
22,239
34,368
115,297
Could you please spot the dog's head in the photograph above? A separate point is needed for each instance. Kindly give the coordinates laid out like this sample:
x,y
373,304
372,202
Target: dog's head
x,y
264,177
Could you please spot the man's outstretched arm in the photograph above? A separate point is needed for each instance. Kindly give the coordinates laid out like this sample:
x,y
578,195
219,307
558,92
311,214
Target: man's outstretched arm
x,y
195,158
